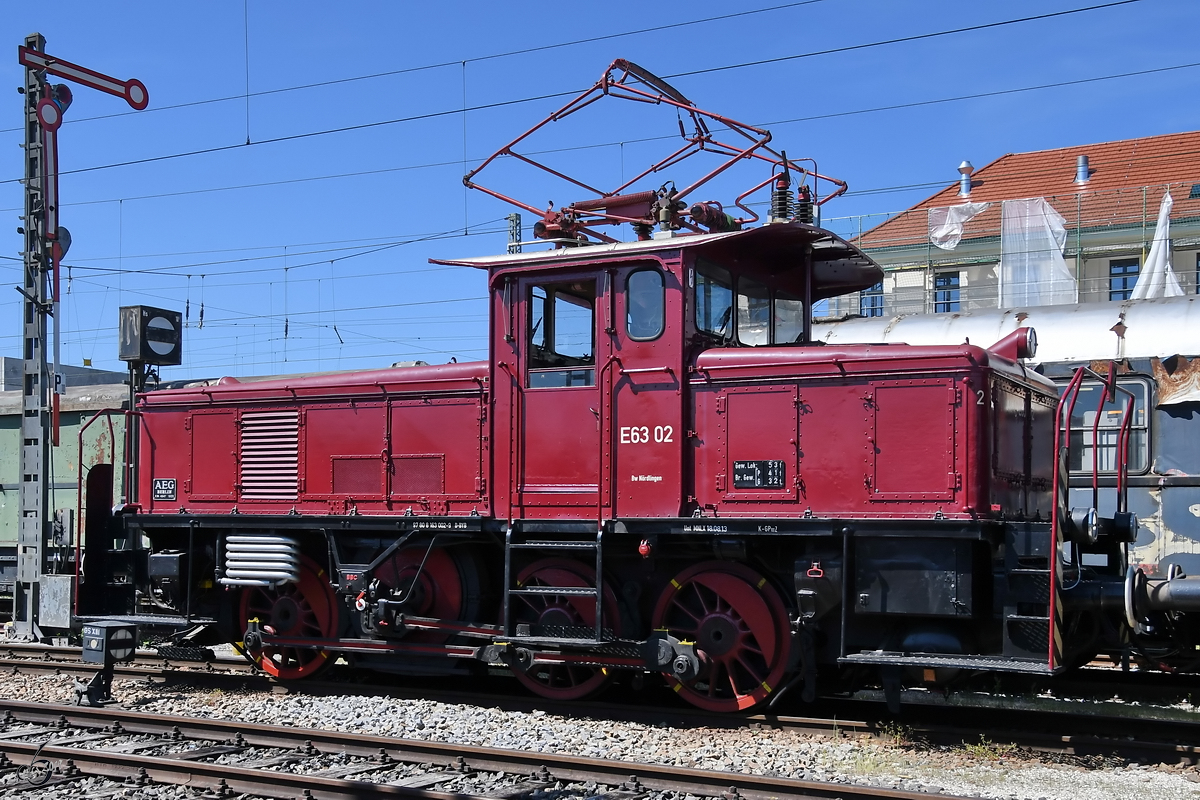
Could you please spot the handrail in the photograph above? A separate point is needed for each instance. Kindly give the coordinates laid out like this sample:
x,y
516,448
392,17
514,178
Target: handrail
x,y
644,370
601,472
112,435
1062,457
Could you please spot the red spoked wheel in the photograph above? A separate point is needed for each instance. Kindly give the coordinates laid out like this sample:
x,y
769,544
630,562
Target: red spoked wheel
x,y
562,681
302,610
740,627
430,582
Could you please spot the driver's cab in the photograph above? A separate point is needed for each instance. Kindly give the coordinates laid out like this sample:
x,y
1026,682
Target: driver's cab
x,y
593,350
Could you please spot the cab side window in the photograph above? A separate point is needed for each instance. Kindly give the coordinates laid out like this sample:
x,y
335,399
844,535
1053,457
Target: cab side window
x,y
714,300
753,313
645,301
561,335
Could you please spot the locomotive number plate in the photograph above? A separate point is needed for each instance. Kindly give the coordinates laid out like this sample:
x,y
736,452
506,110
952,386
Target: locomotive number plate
x,y
758,474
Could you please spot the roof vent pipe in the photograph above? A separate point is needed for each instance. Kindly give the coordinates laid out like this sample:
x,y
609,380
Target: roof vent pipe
x,y
1082,172
964,185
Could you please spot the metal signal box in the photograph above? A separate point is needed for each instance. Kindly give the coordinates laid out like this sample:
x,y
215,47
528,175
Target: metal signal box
x,y
109,641
151,335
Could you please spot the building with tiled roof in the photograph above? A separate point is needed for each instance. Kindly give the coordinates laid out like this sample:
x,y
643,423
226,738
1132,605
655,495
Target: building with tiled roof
x,y
1107,194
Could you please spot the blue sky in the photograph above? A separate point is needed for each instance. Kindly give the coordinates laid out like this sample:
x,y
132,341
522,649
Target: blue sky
x,y
313,253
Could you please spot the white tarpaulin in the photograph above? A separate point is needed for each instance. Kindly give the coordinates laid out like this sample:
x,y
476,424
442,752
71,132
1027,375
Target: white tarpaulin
x,y
946,224
1157,279
1032,270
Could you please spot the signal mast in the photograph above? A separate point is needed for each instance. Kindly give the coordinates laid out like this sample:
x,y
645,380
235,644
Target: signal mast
x,y
34,597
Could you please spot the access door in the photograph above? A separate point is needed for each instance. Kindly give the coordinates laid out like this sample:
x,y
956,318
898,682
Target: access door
x,y
648,432
564,363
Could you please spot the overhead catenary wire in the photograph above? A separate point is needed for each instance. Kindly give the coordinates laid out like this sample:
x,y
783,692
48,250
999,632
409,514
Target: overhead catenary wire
x,y
553,95
790,121
425,67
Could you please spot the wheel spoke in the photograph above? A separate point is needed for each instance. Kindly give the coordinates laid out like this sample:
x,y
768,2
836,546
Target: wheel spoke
x,y
756,677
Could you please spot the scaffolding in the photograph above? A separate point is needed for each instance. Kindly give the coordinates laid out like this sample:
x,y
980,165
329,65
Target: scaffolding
x,y
1103,227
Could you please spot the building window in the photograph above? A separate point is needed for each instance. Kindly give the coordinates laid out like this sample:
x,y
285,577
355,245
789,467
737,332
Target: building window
x,y
870,301
945,292
1122,275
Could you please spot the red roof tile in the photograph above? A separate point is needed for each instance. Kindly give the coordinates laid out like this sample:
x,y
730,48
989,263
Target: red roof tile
x,y
1126,185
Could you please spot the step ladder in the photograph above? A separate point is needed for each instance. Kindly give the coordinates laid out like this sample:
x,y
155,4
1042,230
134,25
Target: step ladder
x,y
1027,598
536,536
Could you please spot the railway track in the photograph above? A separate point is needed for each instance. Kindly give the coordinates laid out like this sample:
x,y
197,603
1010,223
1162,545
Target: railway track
x,y
1080,729
48,745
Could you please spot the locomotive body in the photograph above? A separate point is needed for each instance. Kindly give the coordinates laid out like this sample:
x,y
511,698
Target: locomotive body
x,y
655,471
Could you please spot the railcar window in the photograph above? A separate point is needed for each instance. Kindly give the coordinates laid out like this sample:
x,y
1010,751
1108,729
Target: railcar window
x,y
562,324
645,299
1104,449
789,318
753,313
714,300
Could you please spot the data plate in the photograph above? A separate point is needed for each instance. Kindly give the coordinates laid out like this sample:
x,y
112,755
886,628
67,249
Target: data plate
x,y
758,474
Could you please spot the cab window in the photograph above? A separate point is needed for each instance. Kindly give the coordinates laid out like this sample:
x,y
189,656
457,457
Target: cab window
x,y
561,335
743,309
1098,444
714,300
789,319
753,312
645,299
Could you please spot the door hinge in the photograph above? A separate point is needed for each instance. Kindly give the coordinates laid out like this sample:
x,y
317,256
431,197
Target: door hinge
x,y
721,403
720,481
954,480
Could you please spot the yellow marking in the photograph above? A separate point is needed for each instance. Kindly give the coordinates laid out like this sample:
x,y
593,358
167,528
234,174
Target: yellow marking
x,y
604,670
766,686
675,583
320,572
323,654
761,582
678,686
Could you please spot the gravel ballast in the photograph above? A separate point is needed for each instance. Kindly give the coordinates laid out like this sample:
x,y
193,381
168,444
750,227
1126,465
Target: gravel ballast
x,y
982,769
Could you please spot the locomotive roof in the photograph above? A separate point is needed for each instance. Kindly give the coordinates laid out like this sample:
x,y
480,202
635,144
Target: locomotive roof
x,y
838,266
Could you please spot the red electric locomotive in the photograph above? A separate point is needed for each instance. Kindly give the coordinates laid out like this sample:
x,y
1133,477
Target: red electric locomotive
x,y
655,471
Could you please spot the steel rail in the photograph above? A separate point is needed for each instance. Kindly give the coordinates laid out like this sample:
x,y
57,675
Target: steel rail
x,y
1090,730
655,777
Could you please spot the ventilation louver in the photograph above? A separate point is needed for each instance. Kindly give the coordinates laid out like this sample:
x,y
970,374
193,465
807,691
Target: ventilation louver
x,y
270,455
